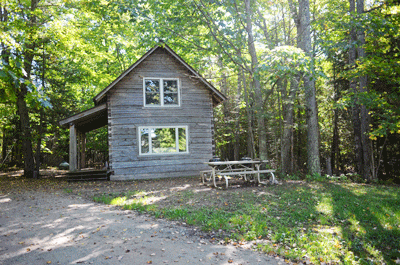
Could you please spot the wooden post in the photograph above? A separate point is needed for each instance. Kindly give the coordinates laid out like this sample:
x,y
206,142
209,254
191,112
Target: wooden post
x,y
72,148
82,150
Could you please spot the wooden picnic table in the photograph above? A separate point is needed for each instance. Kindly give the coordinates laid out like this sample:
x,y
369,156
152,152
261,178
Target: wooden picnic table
x,y
242,168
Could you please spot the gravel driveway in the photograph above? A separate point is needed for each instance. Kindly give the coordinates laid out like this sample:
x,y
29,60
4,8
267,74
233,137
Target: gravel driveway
x,y
39,227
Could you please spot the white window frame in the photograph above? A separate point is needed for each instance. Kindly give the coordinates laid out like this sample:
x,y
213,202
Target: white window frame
x,y
139,137
161,92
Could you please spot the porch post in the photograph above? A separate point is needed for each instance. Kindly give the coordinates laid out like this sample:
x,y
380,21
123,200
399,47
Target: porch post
x,y
82,150
72,148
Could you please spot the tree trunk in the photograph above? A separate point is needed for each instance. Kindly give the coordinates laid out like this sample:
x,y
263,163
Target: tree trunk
x,y
353,87
287,139
224,88
236,149
335,137
365,117
250,135
313,162
4,144
5,55
39,143
21,92
298,144
281,95
262,135
29,164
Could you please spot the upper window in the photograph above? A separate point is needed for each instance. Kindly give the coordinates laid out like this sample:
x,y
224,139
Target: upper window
x,y
161,92
163,140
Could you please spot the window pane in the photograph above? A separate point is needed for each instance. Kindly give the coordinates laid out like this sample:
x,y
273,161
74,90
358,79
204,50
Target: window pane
x,y
152,99
144,141
170,98
182,139
152,86
170,86
163,140
152,89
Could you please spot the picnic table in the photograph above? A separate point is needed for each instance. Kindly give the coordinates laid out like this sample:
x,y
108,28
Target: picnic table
x,y
243,169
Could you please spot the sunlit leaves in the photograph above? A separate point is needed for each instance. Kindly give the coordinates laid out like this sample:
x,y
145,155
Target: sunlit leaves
x,y
285,61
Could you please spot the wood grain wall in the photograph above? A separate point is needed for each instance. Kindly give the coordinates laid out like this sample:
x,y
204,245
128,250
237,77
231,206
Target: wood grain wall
x,y
126,112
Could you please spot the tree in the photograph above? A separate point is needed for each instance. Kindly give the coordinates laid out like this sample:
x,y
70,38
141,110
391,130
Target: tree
x,y
262,136
302,21
16,18
364,116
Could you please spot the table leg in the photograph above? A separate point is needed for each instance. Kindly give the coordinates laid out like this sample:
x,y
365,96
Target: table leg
x,y
273,178
213,176
258,173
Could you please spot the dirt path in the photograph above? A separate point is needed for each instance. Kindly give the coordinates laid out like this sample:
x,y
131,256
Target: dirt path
x,y
39,227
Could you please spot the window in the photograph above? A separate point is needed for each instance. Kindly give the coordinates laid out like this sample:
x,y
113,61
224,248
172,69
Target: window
x,y
161,92
163,140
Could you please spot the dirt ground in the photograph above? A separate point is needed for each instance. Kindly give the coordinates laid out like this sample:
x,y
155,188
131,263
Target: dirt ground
x,y
52,221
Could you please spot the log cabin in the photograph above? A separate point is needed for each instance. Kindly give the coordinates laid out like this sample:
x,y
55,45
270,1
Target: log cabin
x,y
159,114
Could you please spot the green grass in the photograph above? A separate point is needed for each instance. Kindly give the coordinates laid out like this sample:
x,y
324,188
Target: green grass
x,y
321,222
66,190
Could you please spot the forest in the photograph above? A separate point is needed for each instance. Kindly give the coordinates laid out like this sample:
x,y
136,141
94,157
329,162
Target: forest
x,y
313,86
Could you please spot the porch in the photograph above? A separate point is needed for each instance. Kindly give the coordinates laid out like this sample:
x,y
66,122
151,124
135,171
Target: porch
x,y
79,124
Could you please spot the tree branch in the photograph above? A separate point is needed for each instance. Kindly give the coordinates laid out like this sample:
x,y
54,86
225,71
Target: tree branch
x,y
212,27
374,8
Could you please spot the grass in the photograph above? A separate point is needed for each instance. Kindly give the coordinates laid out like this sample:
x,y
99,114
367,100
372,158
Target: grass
x,y
319,222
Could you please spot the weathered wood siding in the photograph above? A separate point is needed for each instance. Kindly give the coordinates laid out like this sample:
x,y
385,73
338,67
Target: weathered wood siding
x,y
126,113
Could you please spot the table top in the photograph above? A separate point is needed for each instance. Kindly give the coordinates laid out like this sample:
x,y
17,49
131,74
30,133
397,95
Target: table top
x,y
236,162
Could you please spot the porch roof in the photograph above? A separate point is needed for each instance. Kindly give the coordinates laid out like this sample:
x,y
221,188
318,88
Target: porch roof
x,y
88,120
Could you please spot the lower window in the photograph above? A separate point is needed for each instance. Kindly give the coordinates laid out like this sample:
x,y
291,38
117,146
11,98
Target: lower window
x,y
163,140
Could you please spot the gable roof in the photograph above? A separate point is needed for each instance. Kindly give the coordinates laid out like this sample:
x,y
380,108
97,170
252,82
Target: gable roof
x,y
217,96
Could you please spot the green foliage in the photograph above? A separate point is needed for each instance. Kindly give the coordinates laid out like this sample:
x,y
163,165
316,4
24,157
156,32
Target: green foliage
x,y
80,46
315,177
285,62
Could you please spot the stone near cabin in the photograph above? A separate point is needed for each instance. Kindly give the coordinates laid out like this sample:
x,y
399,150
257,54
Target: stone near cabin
x,y
63,165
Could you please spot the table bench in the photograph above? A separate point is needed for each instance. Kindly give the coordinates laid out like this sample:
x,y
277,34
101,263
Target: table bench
x,y
245,168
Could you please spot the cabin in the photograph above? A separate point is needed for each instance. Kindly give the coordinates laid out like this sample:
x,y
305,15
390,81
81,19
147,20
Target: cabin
x,y
159,114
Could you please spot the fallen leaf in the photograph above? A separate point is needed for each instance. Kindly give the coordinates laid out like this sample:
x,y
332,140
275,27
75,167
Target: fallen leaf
x,y
149,262
230,260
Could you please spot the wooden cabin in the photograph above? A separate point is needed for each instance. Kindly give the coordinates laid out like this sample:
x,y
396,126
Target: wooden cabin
x,y
159,114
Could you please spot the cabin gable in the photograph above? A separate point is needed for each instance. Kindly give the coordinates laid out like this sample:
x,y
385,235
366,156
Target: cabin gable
x,y
128,116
